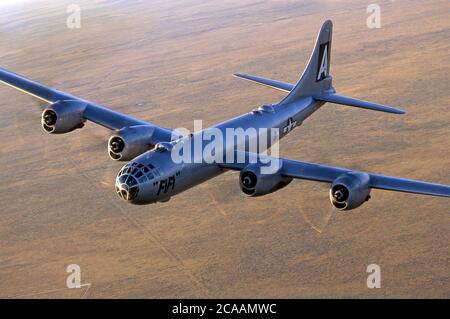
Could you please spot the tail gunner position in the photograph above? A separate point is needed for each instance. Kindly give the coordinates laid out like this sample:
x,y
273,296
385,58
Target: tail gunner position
x,y
152,176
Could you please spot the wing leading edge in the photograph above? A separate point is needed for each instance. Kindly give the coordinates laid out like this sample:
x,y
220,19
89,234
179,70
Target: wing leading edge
x,y
25,85
324,173
317,172
93,112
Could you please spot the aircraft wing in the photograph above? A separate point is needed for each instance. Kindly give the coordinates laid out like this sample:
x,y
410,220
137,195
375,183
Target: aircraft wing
x,y
324,173
93,112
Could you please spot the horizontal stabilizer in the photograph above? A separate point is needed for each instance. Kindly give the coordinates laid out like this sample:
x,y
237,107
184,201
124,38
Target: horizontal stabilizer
x,y
282,86
344,100
331,98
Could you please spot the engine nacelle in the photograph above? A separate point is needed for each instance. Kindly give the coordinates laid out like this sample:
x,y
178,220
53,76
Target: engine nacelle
x,y
350,190
254,183
63,117
130,142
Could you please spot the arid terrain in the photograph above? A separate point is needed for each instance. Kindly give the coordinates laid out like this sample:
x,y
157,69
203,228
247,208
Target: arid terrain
x,y
170,62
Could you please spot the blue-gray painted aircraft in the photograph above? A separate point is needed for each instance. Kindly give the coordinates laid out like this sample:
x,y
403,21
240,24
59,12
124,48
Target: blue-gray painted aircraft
x,y
151,175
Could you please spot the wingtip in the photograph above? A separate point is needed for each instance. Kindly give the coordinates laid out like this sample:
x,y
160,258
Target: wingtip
x,y
400,111
392,110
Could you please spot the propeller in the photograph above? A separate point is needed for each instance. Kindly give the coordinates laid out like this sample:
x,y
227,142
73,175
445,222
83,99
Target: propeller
x,y
313,203
309,200
340,193
49,117
116,144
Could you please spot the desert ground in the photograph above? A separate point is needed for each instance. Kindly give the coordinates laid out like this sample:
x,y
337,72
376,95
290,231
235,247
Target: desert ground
x,y
170,62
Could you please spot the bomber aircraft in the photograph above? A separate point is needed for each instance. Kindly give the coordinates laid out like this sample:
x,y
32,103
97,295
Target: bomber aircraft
x,y
152,175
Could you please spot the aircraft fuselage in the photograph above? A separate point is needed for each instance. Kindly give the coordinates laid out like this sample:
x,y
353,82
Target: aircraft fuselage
x,y
175,178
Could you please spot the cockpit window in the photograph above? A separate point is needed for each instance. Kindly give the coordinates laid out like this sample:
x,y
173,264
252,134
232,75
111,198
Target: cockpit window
x,y
143,179
131,181
138,171
127,180
127,187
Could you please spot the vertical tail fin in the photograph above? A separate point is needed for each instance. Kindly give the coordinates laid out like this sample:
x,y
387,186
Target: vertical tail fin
x,y
316,81
316,78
